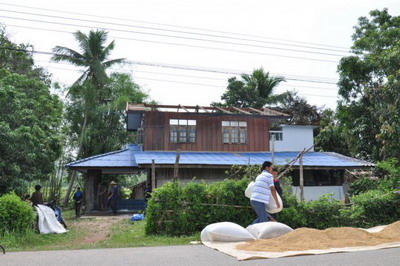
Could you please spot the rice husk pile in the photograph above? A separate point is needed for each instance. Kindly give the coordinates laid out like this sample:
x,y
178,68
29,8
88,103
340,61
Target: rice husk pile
x,y
307,238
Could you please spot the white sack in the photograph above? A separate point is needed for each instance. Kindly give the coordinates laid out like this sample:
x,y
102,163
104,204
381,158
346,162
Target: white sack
x,y
271,206
225,232
47,221
268,230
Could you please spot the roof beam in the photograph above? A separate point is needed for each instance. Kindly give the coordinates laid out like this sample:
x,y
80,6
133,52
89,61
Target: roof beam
x,y
223,110
256,110
184,108
241,111
205,110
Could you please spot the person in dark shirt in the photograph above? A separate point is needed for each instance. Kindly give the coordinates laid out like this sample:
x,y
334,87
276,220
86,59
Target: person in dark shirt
x,y
278,189
113,198
37,197
78,196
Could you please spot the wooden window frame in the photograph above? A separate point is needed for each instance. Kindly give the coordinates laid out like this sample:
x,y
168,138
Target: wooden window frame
x,y
233,134
184,131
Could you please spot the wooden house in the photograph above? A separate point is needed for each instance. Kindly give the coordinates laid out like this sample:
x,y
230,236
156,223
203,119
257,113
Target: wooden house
x,y
176,141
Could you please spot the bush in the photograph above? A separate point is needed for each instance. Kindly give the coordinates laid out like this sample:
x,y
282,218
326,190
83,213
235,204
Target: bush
x,y
176,209
16,215
323,213
362,185
376,207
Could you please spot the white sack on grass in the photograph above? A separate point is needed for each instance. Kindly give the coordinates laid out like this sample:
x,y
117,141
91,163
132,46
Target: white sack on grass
x,y
48,222
268,230
271,206
225,232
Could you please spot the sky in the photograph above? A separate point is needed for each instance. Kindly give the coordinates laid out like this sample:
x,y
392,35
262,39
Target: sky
x,y
183,52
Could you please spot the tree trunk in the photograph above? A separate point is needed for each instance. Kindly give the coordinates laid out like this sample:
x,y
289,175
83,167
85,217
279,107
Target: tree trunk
x,y
93,179
73,175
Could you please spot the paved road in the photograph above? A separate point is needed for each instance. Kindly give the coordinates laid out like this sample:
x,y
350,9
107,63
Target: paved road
x,y
188,255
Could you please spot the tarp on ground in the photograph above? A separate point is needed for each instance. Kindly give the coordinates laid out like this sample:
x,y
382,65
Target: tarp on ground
x,y
47,221
230,249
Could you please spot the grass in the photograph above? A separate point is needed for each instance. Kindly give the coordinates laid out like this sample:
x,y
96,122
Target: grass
x,y
122,234
131,234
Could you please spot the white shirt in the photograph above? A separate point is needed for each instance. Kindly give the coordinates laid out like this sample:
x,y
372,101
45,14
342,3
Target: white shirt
x,y
262,187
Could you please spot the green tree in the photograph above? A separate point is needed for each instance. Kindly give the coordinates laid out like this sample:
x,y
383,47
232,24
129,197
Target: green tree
x,y
30,124
30,118
301,112
331,137
369,85
93,56
107,128
255,90
16,58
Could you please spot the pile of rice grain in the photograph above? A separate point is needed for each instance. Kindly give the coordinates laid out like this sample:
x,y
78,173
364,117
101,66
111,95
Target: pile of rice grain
x,y
306,238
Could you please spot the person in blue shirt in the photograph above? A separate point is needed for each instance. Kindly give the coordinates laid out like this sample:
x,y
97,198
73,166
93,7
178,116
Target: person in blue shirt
x,y
78,197
113,198
263,190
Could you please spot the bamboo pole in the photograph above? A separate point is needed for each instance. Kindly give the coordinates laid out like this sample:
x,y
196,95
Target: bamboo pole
x,y
176,166
301,178
153,175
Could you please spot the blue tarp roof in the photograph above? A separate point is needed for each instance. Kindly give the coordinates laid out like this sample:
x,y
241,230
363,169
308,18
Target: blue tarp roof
x,y
133,157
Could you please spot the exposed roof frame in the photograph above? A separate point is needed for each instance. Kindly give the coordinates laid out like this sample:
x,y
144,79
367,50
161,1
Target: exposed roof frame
x,y
208,109
241,110
223,110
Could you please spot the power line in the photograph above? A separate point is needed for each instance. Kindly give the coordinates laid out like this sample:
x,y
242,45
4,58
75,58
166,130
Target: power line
x,y
183,27
194,68
179,44
199,77
232,72
185,32
190,83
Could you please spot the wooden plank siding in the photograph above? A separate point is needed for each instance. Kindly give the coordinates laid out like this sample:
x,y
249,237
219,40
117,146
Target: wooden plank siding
x,y
208,132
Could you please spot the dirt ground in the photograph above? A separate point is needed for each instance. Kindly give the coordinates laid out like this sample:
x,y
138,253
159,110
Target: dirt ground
x,y
95,228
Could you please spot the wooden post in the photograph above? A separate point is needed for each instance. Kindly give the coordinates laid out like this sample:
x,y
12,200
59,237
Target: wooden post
x,y
176,166
153,175
273,149
301,178
93,178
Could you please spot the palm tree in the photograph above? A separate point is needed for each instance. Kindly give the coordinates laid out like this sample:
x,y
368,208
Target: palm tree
x,y
262,84
94,58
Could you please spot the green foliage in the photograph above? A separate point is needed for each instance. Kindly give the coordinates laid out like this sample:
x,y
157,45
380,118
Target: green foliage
x,y
331,136
369,85
300,111
376,207
255,90
244,171
176,209
93,56
391,173
323,213
17,58
362,185
293,216
30,134
16,215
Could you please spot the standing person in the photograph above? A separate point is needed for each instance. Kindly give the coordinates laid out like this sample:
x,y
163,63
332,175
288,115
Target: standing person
x,y
102,196
113,198
262,191
37,197
78,197
278,189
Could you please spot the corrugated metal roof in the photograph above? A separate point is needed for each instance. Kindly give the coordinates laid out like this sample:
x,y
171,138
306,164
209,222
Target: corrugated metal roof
x,y
121,158
132,156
